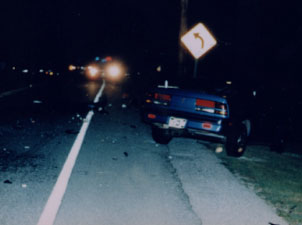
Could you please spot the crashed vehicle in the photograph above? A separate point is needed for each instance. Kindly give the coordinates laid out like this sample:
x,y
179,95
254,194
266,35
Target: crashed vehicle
x,y
200,110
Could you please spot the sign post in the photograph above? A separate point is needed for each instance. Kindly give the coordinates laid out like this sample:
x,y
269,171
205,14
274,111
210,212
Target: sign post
x,y
195,68
198,41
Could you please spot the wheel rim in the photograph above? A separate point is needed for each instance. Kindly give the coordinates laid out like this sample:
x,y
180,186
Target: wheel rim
x,y
241,143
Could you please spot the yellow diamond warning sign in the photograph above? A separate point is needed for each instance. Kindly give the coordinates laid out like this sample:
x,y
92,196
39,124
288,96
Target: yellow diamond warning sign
x,y
198,40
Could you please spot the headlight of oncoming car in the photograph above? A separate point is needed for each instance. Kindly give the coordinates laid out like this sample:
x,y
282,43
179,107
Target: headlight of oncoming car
x,y
114,71
93,71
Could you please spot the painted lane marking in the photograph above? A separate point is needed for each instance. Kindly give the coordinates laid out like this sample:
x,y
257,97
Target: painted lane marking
x,y
99,94
54,201
12,92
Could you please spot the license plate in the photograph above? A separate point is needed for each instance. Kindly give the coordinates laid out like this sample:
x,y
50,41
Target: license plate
x,y
177,122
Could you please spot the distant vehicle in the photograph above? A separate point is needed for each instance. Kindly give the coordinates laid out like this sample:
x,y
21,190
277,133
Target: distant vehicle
x,y
112,71
202,109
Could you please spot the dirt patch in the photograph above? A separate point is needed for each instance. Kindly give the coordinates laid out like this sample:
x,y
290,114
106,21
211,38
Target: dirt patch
x,y
276,178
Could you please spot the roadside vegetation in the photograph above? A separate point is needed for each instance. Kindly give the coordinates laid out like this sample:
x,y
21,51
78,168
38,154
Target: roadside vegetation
x,y
276,178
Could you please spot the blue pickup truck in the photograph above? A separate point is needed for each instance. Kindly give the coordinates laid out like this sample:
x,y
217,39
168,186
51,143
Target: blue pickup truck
x,y
216,114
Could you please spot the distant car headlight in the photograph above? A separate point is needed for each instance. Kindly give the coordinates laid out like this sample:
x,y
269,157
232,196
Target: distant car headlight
x,y
71,68
92,71
114,71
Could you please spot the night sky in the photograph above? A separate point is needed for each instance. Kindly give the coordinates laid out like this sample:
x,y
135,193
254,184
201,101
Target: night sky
x,y
254,37
52,31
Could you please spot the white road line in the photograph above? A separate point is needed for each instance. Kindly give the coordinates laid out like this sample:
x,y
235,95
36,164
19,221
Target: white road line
x,y
8,93
99,94
52,206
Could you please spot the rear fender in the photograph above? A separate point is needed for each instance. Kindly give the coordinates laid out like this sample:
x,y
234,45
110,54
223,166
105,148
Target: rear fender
x,y
247,124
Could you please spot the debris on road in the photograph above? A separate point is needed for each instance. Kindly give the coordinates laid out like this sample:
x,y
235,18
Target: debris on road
x,y
26,147
5,152
133,126
91,106
124,106
103,111
219,149
18,125
79,116
292,209
7,182
272,223
125,95
37,102
126,154
71,131
24,185
114,158
113,140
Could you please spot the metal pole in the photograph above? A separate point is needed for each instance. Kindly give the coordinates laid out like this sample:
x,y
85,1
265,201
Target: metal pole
x,y
195,68
183,29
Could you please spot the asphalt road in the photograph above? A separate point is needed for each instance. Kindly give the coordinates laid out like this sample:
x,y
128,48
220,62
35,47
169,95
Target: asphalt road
x,y
120,175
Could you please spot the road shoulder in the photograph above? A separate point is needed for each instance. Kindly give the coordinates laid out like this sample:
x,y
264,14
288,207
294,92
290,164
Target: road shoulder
x,y
215,193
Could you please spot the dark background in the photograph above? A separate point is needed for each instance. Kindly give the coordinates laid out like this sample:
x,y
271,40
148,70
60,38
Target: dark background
x,y
256,39
258,46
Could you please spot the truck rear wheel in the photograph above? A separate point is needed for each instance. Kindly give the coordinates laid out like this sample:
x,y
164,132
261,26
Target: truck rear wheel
x,y
160,135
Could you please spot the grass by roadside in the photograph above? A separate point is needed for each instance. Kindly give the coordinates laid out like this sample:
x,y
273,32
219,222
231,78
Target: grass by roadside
x,y
277,178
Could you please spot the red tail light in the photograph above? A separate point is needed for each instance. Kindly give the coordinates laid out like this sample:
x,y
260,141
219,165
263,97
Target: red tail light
x,y
205,103
151,116
162,97
211,106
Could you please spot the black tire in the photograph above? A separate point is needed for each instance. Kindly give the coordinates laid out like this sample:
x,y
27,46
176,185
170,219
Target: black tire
x,y
161,136
236,141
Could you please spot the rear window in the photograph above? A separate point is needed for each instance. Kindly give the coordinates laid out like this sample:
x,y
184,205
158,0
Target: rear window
x,y
203,85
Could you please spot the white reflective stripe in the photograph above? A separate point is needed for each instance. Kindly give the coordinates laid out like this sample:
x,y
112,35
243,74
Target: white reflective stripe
x,y
54,201
52,206
99,94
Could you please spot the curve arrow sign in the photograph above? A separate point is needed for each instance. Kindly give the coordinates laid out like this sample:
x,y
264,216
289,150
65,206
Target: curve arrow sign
x,y
197,36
